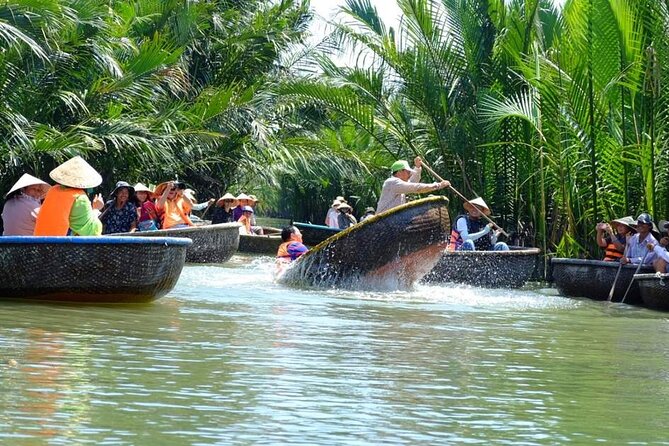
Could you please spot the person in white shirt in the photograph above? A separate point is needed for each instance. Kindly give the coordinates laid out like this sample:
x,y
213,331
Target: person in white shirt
x,y
404,180
638,245
662,255
331,217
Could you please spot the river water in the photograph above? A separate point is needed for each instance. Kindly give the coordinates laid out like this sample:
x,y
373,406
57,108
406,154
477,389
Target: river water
x,y
229,357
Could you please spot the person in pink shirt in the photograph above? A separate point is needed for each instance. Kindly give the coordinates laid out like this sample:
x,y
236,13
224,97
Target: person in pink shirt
x,y
24,200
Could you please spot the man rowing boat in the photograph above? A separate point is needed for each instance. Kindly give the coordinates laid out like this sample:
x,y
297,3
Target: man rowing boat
x,y
404,180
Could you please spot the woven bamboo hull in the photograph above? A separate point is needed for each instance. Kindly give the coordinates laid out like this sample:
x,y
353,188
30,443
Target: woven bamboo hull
x,y
211,243
312,235
490,269
90,269
391,250
654,290
593,279
259,244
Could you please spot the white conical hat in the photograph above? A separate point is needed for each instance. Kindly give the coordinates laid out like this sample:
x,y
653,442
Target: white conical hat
x,y
76,172
25,181
479,203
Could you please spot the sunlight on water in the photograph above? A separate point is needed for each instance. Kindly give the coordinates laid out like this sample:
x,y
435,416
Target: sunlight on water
x,y
231,357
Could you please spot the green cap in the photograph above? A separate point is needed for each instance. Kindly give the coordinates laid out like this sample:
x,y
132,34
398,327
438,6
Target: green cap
x,y
400,165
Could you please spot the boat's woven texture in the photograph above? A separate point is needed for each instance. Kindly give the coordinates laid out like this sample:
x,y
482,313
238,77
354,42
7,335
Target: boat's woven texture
x,y
491,269
259,244
654,290
89,272
211,244
387,251
593,279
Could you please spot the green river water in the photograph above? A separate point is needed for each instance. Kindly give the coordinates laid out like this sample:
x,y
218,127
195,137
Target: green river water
x,y
229,357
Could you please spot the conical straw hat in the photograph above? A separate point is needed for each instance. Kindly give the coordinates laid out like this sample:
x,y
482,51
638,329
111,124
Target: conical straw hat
x,y
139,187
28,180
228,196
77,173
479,203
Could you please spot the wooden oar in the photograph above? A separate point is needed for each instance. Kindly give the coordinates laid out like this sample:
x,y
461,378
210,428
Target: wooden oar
x,y
435,175
620,266
635,273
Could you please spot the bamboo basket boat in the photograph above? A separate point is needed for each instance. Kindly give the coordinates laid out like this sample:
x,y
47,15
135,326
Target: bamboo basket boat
x,y
391,250
594,278
90,269
260,244
211,243
654,289
312,235
489,269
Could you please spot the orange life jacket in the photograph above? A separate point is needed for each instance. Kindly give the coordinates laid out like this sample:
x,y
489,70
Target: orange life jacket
x,y
54,216
282,253
167,209
611,254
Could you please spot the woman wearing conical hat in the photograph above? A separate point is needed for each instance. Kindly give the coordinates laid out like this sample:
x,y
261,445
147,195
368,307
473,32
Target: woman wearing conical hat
x,y
224,211
471,233
66,206
24,200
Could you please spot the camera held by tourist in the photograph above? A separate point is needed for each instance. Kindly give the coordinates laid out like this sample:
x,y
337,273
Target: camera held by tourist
x,y
614,242
173,205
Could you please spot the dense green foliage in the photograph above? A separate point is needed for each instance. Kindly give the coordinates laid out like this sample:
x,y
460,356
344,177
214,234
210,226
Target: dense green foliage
x,y
145,89
556,117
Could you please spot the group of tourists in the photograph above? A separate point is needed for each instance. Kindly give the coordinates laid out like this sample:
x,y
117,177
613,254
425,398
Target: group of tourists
x,y
639,242
33,207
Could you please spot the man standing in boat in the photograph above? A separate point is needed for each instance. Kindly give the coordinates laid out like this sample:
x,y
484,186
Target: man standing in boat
x,y
405,180
66,207
471,233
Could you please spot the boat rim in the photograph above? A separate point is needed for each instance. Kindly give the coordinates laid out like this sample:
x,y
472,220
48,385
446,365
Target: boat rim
x,y
94,240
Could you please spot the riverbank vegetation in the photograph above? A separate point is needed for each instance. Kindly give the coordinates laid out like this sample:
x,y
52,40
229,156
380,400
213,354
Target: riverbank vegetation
x,y
556,116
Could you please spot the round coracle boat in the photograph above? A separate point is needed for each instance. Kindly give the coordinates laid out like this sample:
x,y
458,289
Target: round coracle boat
x,y
594,278
312,235
489,269
268,243
391,250
654,289
90,269
211,243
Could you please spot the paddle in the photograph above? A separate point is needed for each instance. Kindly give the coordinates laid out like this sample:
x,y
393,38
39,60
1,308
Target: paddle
x,y
620,266
435,175
635,273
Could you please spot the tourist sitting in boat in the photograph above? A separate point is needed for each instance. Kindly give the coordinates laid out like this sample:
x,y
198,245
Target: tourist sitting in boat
x,y
292,246
245,221
331,216
404,180
345,219
173,206
369,212
66,208
242,200
471,233
224,211
614,242
253,201
661,263
638,245
120,213
146,209
24,200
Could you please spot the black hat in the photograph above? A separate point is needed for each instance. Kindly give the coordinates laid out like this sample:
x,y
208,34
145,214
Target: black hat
x,y
121,185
